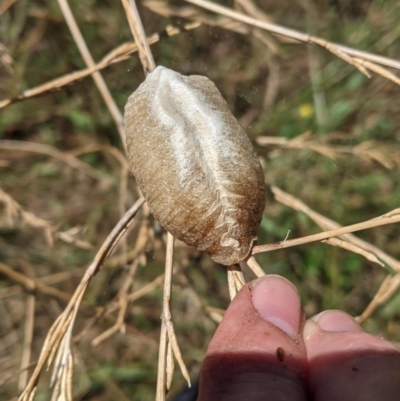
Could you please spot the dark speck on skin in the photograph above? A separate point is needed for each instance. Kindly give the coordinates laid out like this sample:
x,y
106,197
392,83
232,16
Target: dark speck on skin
x,y
280,354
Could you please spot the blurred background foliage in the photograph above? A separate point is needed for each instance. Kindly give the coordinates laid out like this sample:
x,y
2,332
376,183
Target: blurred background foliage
x,y
315,92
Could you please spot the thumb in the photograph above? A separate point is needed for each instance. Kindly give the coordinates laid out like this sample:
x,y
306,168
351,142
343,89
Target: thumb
x,y
257,352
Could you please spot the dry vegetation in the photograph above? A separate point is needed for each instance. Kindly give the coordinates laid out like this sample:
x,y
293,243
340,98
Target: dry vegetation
x,y
327,135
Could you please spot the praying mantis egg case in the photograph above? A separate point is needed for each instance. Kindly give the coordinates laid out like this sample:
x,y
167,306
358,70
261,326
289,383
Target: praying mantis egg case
x,y
194,164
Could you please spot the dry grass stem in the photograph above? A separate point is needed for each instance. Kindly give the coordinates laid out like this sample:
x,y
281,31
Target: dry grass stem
x,y
113,306
123,184
378,70
239,279
97,77
215,314
392,282
123,294
68,238
117,55
170,367
64,324
353,248
165,316
67,158
27,342
231,284
235,280
388,218
5,5
168,337
368,150
162,363
14,216
33,285
327,224
341,51
197,15
119,325
388,287
135,23
255,267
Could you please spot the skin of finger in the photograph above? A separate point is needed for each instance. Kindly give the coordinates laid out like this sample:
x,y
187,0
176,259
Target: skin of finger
x,y
251,359
351,366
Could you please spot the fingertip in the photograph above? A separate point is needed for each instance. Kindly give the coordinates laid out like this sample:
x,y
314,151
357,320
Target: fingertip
x,y
277,301
336,320
330,321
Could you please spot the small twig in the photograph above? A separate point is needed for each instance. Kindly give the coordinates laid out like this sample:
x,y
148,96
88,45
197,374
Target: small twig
x,y
235,280
368,150
5,5
353,248
388,287
165,316
97,77
255,267
119,325
293,34
168,337
231,284
27,343
16,217
327,224
389,218
32,285
135,23
34,147
117,55
62,324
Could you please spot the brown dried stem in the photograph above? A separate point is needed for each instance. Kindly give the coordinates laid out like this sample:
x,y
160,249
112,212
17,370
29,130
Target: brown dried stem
x,y
64,324
33,285
388,287
116,55
15,217
392,282
168,342
27,342
135,23
348,54
97,77
235,280
255,267
388,218
123,294
65,157
353,248
368,150
327,224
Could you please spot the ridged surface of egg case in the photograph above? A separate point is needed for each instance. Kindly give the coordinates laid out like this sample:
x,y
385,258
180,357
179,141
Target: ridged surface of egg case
x,y
194,164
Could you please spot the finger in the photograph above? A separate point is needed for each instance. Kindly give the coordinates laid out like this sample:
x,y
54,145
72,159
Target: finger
x,y
257,352
347,364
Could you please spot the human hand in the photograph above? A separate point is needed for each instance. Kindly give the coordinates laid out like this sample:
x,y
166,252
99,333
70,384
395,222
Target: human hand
x,y
262,350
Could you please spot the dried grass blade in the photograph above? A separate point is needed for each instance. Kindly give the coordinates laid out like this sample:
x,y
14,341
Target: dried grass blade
x,y
293,34
353,248
61,324
170,366
376,222
326,224
255,267
97,77
388,287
